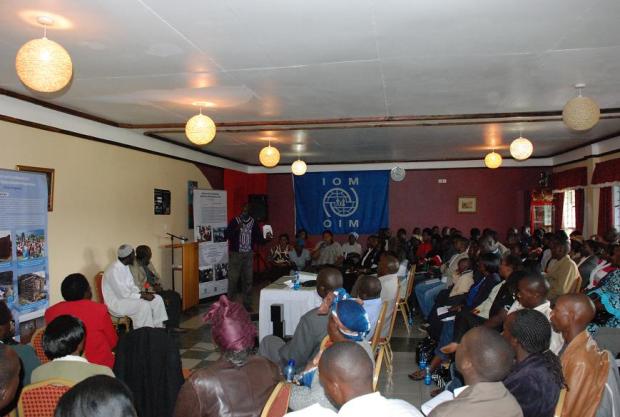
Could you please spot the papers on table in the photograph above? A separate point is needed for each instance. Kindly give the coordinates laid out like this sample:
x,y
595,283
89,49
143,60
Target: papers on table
x,y
303,277
442,311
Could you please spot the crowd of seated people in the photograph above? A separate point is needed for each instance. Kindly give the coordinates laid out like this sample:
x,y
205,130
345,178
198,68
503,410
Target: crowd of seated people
x,y
526,318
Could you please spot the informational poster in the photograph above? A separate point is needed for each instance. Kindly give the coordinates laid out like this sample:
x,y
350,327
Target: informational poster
x,y
209,231
24,271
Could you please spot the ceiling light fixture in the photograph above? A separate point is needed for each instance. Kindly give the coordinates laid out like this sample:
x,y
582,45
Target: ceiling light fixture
x,y
493,160
581,113
521,148
269,156
299,167
200,129
44,65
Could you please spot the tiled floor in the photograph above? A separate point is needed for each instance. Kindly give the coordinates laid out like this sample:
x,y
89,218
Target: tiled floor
x,y
197,351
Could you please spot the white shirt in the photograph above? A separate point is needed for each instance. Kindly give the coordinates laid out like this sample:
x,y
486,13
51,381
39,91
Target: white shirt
x,y
118,284
73,358
347,248
389,287
371,405
557,341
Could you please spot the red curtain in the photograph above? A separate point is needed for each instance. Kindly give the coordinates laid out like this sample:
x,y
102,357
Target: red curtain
x,y
579,203
576,177
558,203
607,171
239,186
605,212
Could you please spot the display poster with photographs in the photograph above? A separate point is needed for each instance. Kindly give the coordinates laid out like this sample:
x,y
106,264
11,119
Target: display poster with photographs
x,y
209,231
24,272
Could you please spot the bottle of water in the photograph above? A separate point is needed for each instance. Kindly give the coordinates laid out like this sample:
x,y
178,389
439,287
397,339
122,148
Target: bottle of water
x,y
428,377
296,281
289,371
411,320
422,364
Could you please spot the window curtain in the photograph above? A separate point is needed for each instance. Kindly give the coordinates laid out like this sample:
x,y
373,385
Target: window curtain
x,y
576,177
605,220
558,203
608,171
579,203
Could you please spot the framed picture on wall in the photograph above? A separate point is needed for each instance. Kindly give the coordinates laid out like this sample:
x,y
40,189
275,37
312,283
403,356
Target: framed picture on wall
x,y
49,175
467,204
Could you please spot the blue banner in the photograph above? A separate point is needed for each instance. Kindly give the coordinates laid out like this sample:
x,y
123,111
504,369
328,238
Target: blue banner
x,y
24,272
343,202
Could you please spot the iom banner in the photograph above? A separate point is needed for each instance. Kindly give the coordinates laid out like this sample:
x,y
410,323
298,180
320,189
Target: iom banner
x,y
343,202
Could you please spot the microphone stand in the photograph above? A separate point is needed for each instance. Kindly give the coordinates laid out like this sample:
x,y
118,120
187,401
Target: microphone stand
x,y
172,237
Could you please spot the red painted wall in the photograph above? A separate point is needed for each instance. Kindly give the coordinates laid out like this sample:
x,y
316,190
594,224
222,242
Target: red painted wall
x,y
421,201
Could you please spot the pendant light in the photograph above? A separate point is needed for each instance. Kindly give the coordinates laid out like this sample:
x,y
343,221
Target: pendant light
x,y
299,167
269,156
493,160
200,129
581,113
521,148
44,65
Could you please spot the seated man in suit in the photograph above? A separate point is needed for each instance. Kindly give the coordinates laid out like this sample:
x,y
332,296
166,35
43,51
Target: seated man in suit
x,y
26,353
145,276
63,343
124,298
310,331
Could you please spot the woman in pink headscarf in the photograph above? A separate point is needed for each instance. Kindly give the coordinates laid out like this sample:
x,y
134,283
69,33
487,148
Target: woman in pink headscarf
x,y
239,383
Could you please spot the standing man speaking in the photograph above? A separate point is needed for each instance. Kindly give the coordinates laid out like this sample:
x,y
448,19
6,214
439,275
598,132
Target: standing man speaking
x,y
242,234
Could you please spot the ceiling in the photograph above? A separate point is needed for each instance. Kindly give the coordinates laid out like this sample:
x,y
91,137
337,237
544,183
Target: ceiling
x,y
308,64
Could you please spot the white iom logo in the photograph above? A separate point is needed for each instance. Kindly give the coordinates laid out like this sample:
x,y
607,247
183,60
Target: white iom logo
x,y
340,203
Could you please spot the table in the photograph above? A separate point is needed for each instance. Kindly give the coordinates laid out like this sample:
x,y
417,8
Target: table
x,y
295,303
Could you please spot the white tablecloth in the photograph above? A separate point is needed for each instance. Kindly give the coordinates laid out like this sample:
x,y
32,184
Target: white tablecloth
x,y
294,305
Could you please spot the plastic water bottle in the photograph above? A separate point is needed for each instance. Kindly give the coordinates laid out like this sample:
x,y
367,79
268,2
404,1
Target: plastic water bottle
x,y
422,364
289,371
411,321
427,377
296,281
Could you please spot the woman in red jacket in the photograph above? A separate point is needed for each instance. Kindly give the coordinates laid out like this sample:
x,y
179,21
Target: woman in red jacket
x,y
101,337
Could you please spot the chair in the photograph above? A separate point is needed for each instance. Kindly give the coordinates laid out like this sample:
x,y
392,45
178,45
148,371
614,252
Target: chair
x,y
37,343
403,302
40,399
277,403
384,342
116,321
376,336
560,404
325,343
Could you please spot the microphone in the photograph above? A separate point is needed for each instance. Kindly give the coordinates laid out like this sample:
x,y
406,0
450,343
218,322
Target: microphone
x,y
183,238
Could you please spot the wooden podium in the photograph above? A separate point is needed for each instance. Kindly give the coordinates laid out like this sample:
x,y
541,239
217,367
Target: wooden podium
x,y
189,272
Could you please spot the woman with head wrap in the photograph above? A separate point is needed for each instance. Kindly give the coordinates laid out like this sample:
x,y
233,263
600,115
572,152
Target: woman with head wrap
x,y
239,382
348,322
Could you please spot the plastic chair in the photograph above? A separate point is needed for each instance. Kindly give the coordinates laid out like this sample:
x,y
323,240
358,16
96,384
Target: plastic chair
x,y
40,399
403,302
560,404
277,403
116,321
37,343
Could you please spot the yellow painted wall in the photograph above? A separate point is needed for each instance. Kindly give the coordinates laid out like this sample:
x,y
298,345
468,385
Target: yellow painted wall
x,y
591,194
103,197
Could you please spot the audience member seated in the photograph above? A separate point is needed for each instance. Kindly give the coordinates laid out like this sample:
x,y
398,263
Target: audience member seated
x,y
352,246
300,256
388,267
606,296
346,376
563,273
537,374
97,396
484,359
26,353
546,257
603,267
101,338
425,247
10,368
238,383
589,259
63,343
327,251
370,257
369,291
146,277
585,367
279,259
310,331
348,322
124,298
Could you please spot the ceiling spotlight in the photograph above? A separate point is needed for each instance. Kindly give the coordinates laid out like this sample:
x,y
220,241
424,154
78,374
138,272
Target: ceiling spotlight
x,y
200,129
521,148
299,167
269,156
581,113
493,160
44,65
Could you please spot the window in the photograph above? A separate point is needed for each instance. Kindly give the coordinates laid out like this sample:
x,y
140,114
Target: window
x,y
568,213
616,204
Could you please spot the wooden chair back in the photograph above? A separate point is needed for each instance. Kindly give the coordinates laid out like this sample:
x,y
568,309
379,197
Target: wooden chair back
x,y
394,314
98,287
37,344
376,336
324,343
560,404
40,399
277,403
377,370
410,280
